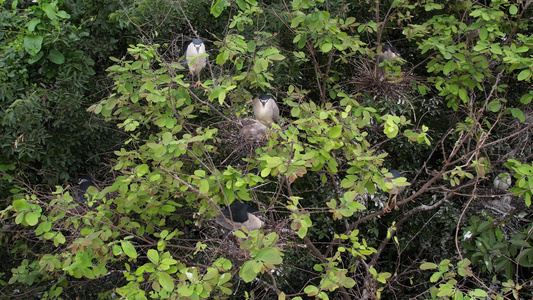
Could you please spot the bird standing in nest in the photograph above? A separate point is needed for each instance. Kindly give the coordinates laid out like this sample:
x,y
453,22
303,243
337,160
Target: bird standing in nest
x,y
240,214
266,110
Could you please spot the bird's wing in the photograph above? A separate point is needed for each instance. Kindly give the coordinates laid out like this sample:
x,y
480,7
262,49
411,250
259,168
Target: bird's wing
x,y
275,112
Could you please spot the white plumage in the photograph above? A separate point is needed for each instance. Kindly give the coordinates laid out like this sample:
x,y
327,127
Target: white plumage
x,y
194,59
266,110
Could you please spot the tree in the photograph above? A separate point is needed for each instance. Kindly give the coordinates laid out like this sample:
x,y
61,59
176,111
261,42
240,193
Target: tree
x,y
321,176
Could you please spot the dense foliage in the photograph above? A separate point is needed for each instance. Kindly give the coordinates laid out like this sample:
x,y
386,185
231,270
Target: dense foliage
x,y
98,87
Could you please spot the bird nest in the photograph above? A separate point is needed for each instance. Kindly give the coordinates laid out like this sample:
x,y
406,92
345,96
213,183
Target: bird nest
x,y
240,139
374,79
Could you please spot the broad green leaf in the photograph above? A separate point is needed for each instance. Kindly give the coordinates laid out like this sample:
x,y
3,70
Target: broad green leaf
x,y
494,106
32,218
153,255
166,281
326,47
33,43
335,132
21,205
526,73
129,249
247,272
269,256
517,113
56,57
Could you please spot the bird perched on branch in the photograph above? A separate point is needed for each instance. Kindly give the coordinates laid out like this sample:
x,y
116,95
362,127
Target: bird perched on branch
x,y
194,58
240,214
266,110
84,183
395,191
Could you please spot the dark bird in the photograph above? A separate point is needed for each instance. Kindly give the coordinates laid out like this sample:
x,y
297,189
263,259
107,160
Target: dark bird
x,y
84,183
388,52
266,110
240,214
194,59
253,129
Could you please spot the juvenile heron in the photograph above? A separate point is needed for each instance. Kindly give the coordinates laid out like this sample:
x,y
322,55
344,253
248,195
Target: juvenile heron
x,y
240,214
266,110
253,129
194,59
84,183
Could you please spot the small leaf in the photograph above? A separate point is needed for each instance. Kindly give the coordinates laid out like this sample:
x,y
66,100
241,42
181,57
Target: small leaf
x,y
428,266
517,113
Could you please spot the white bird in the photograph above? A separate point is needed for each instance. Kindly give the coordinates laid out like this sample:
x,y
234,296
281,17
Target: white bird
x,y
240,214
266,110
194,58
502,181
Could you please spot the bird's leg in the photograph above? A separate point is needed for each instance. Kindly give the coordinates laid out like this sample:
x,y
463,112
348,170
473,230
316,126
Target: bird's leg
x,y
392,202
198,83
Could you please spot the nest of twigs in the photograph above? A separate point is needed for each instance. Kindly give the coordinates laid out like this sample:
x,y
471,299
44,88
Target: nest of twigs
x,y
236,145
371,78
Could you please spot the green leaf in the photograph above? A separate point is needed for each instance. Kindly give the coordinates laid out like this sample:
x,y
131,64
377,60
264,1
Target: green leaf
x,y
449,67
204,187
33,43
478,293
494,106
32,218
526,73
31,24
50,10
218,7
513,10
517,113
153,255
428,266
21,205
56,57
166,281
335,132
326,47
129,249
526,99
247,272
167,137
269,256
